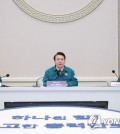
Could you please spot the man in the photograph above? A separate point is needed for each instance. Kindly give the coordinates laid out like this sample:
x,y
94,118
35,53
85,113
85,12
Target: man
x,y
60,72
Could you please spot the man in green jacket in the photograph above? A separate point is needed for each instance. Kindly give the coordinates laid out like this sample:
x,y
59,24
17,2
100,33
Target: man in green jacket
x,y
60,72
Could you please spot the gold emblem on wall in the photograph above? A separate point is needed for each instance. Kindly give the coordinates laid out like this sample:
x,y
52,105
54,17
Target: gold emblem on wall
x,y
63,18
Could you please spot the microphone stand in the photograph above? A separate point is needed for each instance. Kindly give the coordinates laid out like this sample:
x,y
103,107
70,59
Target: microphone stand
x,y
7,75
37,82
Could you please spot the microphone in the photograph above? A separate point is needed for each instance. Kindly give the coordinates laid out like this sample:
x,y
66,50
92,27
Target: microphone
x,y
37,82
113,71
118,80
7,75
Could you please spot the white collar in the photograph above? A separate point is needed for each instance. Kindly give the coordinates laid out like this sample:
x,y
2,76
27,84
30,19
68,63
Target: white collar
x,y
59,69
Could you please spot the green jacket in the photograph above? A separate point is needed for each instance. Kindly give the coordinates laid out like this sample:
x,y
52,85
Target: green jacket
x,y
67,74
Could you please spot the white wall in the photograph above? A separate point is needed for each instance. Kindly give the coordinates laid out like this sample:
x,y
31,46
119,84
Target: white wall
x,y
27,45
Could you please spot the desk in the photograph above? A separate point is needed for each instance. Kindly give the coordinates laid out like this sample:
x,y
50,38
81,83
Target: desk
x,y
45,94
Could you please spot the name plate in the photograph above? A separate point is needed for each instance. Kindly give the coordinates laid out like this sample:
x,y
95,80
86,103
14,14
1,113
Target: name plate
x,y
114,84
56,84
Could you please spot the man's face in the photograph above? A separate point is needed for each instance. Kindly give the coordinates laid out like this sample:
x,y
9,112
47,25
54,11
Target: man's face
x,y
59,61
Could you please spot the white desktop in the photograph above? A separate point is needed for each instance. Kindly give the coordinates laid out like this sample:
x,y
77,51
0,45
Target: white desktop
x,y
61,94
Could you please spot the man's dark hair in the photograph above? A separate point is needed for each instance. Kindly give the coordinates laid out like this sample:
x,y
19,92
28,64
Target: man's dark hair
x,y
59,53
